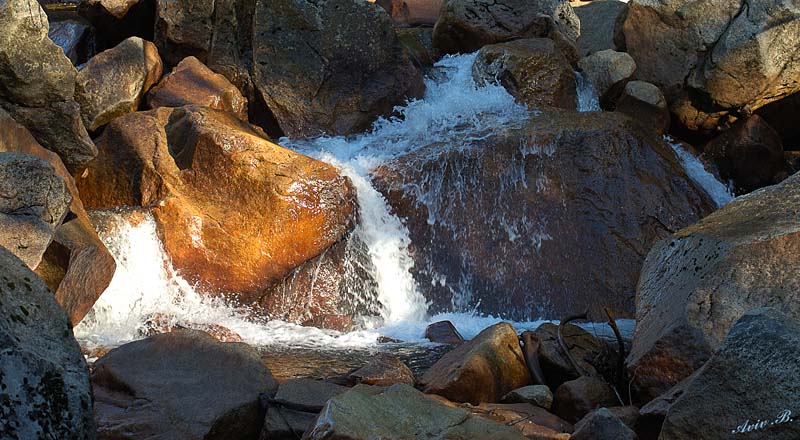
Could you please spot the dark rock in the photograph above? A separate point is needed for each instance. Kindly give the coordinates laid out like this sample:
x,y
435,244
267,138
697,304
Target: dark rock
x,y
418,44
750,154
556,367
696,284
383,370
645,103
652,415
44,380
602,424
443,332
598,20
748,387
286,418
533,70
576,398
117,20
73,38
483,369
183,384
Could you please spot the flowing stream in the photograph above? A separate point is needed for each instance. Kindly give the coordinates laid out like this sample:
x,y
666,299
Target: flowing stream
x,y
453,107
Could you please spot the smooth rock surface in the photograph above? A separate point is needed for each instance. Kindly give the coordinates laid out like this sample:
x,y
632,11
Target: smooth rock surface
x,y
538,395
608,71
576,398
383,370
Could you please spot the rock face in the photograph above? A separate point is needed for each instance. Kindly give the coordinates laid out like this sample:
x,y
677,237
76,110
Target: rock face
x,y
182,384
715,59
644,102
533,70
695,285
576,398
274,211
114,82
191,82
483,369
33,202
44,380
602,425
608,71
575,187
400,411
37,83
748,387
467,25
750,154
330,66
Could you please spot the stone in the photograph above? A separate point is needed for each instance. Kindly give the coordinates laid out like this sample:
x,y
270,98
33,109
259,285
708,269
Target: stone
x,y
400,411
576,187
274,211
114,82
37,83
583,346
117,20
602,424
750,154
409,13
331,66
163,323
697,283
629,415
443,332
418,44
778,115
285,418
748,387
715,60
483,369
653,413
72,37
533,70
465,26
576,398
608,71
33,202
44,379
598,18
532,421
183,384
645,103
538,395
383,370
191,82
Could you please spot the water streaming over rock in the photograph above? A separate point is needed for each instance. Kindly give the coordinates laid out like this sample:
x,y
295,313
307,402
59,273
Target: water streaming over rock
x,y
588,101
696,171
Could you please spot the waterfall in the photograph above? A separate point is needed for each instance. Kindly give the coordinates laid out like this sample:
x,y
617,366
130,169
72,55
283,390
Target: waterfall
x,y
587,100
696,171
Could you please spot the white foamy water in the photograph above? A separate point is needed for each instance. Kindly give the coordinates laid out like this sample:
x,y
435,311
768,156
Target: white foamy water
x,y
696,171
588,101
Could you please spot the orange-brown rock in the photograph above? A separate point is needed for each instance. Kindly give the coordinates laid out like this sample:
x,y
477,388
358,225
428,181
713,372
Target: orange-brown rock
x,y
191,82
483,369
236,212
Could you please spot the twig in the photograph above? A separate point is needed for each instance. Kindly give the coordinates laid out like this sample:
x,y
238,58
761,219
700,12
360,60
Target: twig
x,y
563,344
620,374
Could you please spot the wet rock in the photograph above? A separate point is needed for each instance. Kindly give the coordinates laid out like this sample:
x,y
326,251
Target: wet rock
x,y
533,70
750,154
418,44
443,332
538,395
696,284
285,419
33,202
182,384
332,66
400,411
117,20
602,424
383,370
44,380
748,387
598,18
412,12
467,25
715,60
483,369
576,398
191,82
73,38
576,187
163,323
114,81
556,367
644,102
608,71
76,266
274,211
37,83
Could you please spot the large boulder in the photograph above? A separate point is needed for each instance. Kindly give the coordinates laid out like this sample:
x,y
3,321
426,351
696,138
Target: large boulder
x,y
697,283
533,70
582,345
33,202
467,25
37,83
750,154
183,384
715,59
748,388
191,82
400,411
608,71
44,380
236,212
114,81
559,188
329,66
576,398
483,369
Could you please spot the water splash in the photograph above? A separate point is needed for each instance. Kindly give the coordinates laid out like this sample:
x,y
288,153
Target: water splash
x,y
696,171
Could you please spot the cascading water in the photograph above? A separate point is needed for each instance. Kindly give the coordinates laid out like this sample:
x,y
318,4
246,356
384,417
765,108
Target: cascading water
x,y
588,101
718,192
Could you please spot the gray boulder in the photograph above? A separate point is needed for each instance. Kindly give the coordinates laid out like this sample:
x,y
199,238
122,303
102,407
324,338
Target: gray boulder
x,y
608,71
602,424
